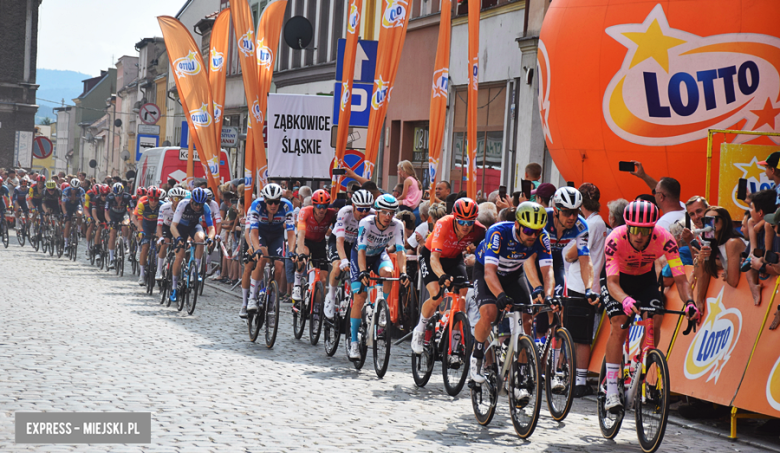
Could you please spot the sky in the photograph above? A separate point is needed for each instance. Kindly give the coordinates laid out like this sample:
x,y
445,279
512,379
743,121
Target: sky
x,y
89,35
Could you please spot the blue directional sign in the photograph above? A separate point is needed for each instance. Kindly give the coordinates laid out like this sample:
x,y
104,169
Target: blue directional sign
x,y
144,142
361,104
365,61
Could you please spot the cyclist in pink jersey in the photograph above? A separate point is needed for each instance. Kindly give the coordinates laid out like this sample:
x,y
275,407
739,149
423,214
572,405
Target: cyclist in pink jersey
x,y
631,251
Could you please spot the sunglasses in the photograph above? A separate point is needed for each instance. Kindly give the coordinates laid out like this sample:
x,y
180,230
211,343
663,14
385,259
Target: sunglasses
x,y
465,223
196,205
387,213
568,212
363,210
531,231
177,199
641,231
273,201
321,206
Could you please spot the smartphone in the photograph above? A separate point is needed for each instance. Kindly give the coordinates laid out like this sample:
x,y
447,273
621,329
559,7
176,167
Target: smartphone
x,y
341,196
771,257
742,189
687,220
502,192
339,171
626,166
526,187
570,183
709,221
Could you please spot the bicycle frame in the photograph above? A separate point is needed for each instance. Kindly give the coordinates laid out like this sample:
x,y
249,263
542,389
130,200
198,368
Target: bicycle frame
x,y
516,329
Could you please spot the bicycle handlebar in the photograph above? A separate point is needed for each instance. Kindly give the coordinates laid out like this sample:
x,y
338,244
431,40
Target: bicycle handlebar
x,y
455,285
662,311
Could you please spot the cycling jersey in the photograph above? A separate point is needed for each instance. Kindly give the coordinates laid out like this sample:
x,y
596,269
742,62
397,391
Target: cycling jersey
x,y
579,234
258,218
315,231
51,198
118,203
36,194
165,214
445,240
346,224
3,194
20,195
502,247
145,211
185,215
374,241
216,216
67,195
623,258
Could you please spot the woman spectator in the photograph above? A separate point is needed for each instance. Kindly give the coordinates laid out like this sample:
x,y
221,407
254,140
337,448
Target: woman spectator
x,y
723,254
616,208
411,195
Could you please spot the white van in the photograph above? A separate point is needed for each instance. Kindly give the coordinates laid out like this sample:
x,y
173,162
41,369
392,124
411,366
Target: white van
x,y
157,165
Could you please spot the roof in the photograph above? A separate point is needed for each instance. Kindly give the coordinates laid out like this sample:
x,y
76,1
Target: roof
x,y
183,8
146,41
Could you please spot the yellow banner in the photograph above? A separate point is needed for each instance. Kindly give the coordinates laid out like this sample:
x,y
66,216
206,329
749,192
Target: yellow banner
x,y
741,161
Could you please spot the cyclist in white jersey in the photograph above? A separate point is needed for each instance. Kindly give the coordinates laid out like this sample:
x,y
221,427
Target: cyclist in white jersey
x,y
342,241
164,220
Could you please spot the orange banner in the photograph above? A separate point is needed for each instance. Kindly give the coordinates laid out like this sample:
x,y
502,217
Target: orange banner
x,y
220,38
391,42
249,165
193,87
441,77
347,76
268,32
473,94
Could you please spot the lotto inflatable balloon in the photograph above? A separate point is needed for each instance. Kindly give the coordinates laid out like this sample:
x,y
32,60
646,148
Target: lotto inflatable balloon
x,y
646,80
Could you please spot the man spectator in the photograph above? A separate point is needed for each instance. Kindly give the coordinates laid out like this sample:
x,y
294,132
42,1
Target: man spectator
x,y
667,195
399,188
696,206
372,187
543,194
772,171
303,193
500,203
443,190
488,213
12,181
82,176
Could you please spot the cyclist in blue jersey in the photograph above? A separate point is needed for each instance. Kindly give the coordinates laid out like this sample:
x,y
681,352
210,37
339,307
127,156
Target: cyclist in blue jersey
x,y
72,204
186,224
269,217
3,194
19,198
117,203
501,258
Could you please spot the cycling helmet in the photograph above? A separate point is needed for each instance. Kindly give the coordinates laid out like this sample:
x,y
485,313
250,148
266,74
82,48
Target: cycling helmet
x,y
118,188
273,192
24,181
40,178
199,196
531,215
64,186
140,192
465,209
49,184
386,202
567,198
104,189
75,182
1,179
176,192
209,194
362,198
641,214
320,197
153,193
162,194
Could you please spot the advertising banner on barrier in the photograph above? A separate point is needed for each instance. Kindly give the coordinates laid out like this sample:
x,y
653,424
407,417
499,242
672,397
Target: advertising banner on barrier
x,y
741,161
299,136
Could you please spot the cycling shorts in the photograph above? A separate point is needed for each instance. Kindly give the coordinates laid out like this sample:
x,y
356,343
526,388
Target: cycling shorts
x,y
333,251
37,203
150,229
511,283
101,216
23,206
643,288
166,231
71,209
189,231
451,266
317,252
116,218
373,263
274,243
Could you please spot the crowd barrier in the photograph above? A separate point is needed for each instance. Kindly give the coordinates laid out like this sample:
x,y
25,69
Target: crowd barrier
x,y
732,359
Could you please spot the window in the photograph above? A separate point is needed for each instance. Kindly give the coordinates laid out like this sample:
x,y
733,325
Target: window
x,y
463,7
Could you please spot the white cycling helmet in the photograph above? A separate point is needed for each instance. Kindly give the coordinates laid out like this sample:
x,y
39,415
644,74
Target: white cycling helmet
x,y
75,182
567,198
209,194
177,192
362,198
272,191
386,202
162,194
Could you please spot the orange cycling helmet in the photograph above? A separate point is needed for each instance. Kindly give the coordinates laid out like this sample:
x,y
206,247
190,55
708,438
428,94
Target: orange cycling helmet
x,y
153,192
320,197
465,209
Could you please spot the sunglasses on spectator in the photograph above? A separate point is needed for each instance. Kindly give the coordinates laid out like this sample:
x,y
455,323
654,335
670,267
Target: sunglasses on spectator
x,y
273,201
641,231
531,231
321,206
465,223
364,209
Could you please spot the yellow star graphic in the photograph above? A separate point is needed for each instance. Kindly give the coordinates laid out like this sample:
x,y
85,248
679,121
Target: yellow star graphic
x,y
751,170
652,43
766,115
713,306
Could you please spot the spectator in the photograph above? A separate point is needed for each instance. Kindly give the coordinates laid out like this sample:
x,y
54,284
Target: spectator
x,y
616,208
695,207
443,190
499,202
410,196
450,201
488,213
11,180
397,190
772,171
303,193
507,215
371,187
543,194
677,230
432,213
722,255
533,173
306,201
408,219
666,192
82,176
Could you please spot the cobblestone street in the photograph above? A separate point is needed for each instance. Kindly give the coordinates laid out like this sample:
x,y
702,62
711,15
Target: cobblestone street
x,y
77,339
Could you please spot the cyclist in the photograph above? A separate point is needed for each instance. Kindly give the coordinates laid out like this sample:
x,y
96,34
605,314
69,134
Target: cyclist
x,y
146,212
342,240
51,198
72,199
313,223
164,220
20,199
375,234
186,224
117,204
89,199
630,254
509,248
441,259
36,195
3,195
267,220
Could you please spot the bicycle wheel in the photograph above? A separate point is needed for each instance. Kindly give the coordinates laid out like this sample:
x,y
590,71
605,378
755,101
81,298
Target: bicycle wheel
x,y
422,364
183,290
20,235
317,306
382,338
165,284
91,250
74,245
151,269
132,247
609,423
195,284
5,233
120,257
362,345
525,388
271,313
560,364
44,238
485,396
255,323
60,242
34,237
652,409
203,269
332,328
454,363
299,315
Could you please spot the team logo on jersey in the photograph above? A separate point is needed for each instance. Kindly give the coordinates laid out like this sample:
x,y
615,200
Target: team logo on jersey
x,y
690,83
256,112
381,92
354,18
344,96
217,60
217,112
395,14
773,387
441,80
543,68
265,57
495,241
711,349
432,165
246,43
201,117
187,66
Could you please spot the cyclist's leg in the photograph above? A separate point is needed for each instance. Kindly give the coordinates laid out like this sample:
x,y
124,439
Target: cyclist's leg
x,y
385,270
319,253
335,273
246,277
199,236
359,293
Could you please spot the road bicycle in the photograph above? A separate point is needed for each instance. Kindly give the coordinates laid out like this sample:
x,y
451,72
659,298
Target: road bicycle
x,y
132,248
643,385
166,283
22,229
311,305
57,241
558,363
35,234
447,339
189,279
267,304
100,252
4,229
151,265
73,239
340,322
515,373
119,252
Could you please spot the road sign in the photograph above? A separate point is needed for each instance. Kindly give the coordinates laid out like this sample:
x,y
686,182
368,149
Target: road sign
x,y
361,105
352,159
149,113
148,129
365,61
42,147
229,137
23,149
143,142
